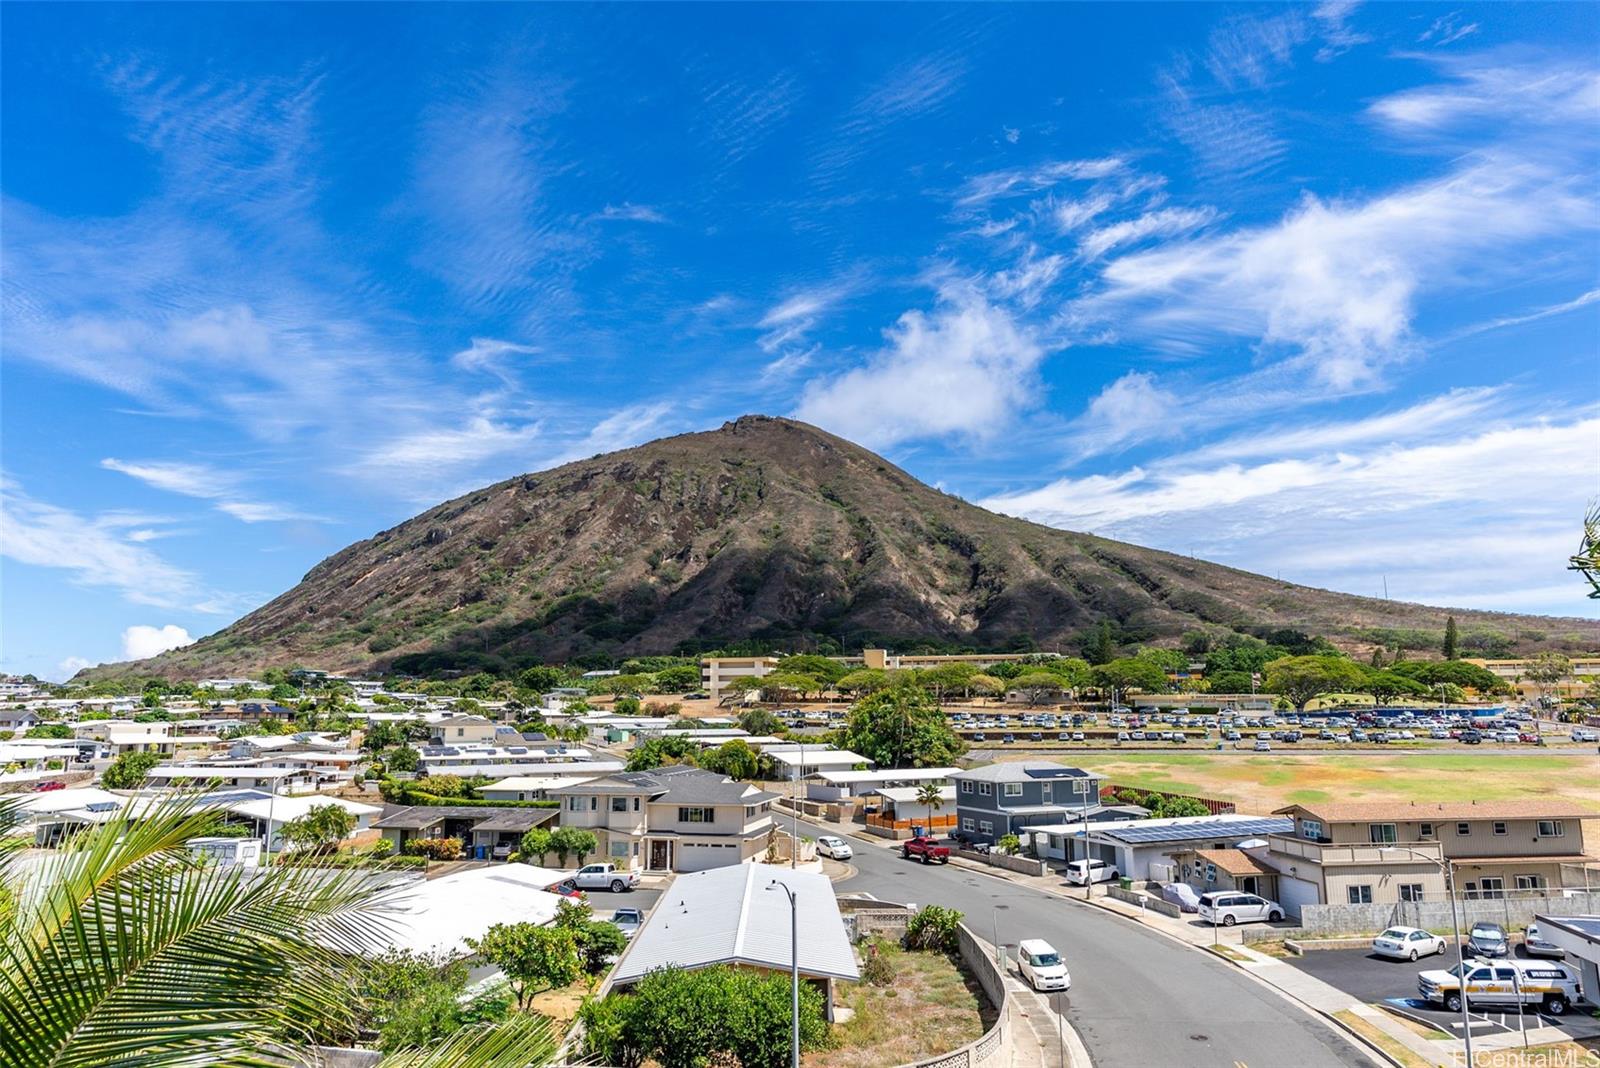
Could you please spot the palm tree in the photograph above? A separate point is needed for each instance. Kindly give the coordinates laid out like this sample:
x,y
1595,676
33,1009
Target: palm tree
x,y
120,948
929,794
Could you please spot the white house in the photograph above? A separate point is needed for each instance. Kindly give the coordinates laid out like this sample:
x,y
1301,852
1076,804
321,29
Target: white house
x,y
798,761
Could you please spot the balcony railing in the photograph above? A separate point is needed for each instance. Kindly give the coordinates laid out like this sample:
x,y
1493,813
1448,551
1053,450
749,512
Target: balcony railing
x,y
1358,853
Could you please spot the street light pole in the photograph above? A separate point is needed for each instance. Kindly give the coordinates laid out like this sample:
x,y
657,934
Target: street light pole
x,y
794,841
1449,871
794,972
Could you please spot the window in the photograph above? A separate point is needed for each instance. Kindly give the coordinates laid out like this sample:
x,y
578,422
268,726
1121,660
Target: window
x,y
1425,830
697,815
985,827
1359,895
1381,834
1410,891
1530,882
985,789
619,849
1499,826
636,804
1080,786
594,804
1492,886
619,804
1550,829
1463,828
966,824
1049,793
1311,829
966,786
1013,789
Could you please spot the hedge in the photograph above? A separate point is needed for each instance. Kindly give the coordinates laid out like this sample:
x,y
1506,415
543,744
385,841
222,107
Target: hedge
x,y
400,793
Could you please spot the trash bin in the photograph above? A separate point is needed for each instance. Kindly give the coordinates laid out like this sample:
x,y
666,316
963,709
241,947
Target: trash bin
x,y
1125,883
482,853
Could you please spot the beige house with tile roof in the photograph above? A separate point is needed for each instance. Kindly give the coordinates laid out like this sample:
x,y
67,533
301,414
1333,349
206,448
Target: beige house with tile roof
x,y
1370,852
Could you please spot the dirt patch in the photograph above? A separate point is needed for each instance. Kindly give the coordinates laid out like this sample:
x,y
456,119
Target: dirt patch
x,y
933,1006
562,1004
1396,1049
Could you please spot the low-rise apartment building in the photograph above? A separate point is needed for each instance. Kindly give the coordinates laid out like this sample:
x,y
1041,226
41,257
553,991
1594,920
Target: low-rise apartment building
x,y
716,672
1386,852
670,819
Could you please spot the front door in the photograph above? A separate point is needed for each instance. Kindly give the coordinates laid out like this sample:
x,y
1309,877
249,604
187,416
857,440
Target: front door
x,y
660,854
1249,885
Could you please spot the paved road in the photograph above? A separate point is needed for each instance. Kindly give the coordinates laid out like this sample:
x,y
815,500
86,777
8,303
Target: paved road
x,y
1139,1000
990,754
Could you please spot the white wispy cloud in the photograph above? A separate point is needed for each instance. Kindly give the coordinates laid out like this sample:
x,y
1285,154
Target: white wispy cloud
x,y
1370,501
94,550
1249,50
787,323
205,483
1030,181
491,356
626,212
966,368
1448,29
1334,283
1167,222
1333,20
428,458
142,641
1514,89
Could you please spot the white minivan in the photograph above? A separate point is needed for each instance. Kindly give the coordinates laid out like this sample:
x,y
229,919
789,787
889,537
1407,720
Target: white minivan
x,y
1228,907
1042,966
1084,872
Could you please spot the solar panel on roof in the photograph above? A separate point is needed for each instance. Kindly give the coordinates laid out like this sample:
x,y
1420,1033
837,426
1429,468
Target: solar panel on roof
x,y
1053,773
1197,831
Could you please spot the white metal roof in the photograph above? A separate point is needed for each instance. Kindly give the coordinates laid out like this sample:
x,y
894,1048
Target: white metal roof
x,y
907,795
815,756
439,915
533,782
730,916
884,775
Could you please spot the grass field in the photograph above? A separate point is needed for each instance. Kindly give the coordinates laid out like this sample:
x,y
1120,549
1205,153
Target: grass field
x,y
1262,783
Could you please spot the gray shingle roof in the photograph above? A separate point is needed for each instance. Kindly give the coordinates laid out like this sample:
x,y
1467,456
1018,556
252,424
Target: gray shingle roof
x,y
728,915
677,784
1022,771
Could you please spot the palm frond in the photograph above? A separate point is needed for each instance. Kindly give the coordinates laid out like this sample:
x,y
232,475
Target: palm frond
x,y
519,1042
133,954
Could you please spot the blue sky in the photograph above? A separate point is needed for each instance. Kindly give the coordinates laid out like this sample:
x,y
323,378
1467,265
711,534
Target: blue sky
x,y
1308,290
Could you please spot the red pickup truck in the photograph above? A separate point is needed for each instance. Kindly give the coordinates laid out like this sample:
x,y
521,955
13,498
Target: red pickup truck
x,y
928,849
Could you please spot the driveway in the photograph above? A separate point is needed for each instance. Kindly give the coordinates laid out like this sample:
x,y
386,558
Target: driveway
x,y
1393,983
1139,999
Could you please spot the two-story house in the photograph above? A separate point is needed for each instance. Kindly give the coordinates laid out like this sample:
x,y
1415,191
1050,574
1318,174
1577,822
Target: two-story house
x,y
1002,799
670,819
1385,852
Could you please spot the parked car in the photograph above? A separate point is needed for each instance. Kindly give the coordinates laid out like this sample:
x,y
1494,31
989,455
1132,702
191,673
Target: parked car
x,y
1084,872
1552,986
604,877
630,920
1041,965
1536,945
1407,943
1488,940
837,848
1228,907
1181,895
565,889
1263,746
50,784
1580,734
926,849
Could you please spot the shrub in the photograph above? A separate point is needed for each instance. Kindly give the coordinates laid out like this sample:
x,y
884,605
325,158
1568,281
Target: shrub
x,y
934,927
433,848
878,969
1010,844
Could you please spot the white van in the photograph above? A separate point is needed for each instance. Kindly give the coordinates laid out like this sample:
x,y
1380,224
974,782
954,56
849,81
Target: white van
x,y
1550,985
1041,965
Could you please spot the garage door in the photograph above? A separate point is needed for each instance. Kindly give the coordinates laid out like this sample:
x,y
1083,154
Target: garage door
x,y
1293,893
699,856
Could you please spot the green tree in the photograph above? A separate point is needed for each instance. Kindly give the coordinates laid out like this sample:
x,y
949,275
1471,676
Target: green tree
x,y
862,682
540,678
1299,679
1131,673
947,679
658,751
1385,686
597,940
572,841
536,843
1170,661
930,794
1548,669
1228,681
129,770
49,730
1101,648
901,727
628,684
1037,687
404,758
678,679
788,685
533,958
1450,638
321,829
1167,807
825,670
734,758
759,721
1456,672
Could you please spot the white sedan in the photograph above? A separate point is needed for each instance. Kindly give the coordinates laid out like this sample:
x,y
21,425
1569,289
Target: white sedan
x,y
837,848
1407,943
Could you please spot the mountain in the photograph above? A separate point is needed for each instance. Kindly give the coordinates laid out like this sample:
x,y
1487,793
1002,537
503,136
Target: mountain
x,y
767,530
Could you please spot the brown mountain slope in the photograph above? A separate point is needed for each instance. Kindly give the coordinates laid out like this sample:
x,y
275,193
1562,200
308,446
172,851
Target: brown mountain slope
x,y
765,530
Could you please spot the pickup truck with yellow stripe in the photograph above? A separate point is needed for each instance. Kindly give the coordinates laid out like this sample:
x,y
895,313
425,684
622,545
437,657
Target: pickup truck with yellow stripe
x,y
1554,987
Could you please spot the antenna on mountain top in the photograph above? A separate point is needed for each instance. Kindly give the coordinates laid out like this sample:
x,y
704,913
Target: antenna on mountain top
x,y
1386,587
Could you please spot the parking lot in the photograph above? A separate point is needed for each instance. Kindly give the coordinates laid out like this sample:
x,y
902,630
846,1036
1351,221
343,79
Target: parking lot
x,y
1381,981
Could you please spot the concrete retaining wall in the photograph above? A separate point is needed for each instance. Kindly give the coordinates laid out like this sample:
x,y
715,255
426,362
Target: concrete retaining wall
x,y
1516,910
990,1048
1025,865
1165,908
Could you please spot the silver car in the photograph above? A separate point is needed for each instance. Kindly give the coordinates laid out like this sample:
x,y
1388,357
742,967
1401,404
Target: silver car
x,y
837,848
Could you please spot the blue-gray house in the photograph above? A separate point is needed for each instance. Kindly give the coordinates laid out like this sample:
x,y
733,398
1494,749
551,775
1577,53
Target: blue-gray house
x,y
1001,799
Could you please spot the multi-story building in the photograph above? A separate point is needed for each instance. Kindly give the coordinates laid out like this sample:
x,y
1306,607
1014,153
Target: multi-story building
x,y
1585,672
1387,852
1002,799
717,672
670,819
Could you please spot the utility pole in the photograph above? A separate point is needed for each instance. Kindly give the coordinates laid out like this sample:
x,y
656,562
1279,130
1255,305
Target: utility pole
x,y
794,972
